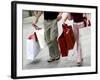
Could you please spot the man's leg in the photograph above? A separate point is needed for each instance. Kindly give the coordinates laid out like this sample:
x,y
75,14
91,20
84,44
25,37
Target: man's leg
x,y
51,39
53,51
48,40
53,36
56,49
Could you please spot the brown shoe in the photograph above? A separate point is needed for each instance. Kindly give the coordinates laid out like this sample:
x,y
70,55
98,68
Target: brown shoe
x,y
80,63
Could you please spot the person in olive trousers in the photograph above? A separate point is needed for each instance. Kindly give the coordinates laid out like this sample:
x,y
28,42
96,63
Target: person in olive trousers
x,y
50,32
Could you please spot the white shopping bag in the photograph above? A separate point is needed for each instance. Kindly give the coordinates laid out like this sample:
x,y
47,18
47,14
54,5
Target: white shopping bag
x,y
40,36
32,47
85,40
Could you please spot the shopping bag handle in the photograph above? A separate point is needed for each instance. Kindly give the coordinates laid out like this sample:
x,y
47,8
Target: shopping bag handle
x,y
37,28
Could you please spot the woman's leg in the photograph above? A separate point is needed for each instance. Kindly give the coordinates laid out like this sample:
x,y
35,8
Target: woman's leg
x,y
78,44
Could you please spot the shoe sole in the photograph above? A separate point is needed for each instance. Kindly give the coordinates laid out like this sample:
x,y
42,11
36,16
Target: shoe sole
x,y
54,60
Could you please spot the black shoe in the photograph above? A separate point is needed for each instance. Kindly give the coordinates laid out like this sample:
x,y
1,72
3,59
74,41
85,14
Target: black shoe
x,y
58,58
51,60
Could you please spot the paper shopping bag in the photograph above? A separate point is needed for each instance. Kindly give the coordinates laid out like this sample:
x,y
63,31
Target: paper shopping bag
x,y
32,47
40,36
66,40
62,46
69,36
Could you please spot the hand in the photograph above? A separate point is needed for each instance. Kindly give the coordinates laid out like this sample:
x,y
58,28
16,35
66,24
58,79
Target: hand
x,y
63,23
36,27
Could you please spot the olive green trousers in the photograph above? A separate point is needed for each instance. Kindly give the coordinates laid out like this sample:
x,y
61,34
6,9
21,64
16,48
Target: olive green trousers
x,y
50,35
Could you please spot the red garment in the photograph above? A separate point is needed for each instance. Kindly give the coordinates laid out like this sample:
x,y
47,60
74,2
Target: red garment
x,y
63,46
69,36
66,40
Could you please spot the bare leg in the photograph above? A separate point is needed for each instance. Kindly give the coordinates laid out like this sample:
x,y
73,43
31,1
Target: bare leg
x,y
78,45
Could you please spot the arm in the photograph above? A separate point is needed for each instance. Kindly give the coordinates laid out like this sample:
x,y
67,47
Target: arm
x,y
86,17
37,17
59,16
